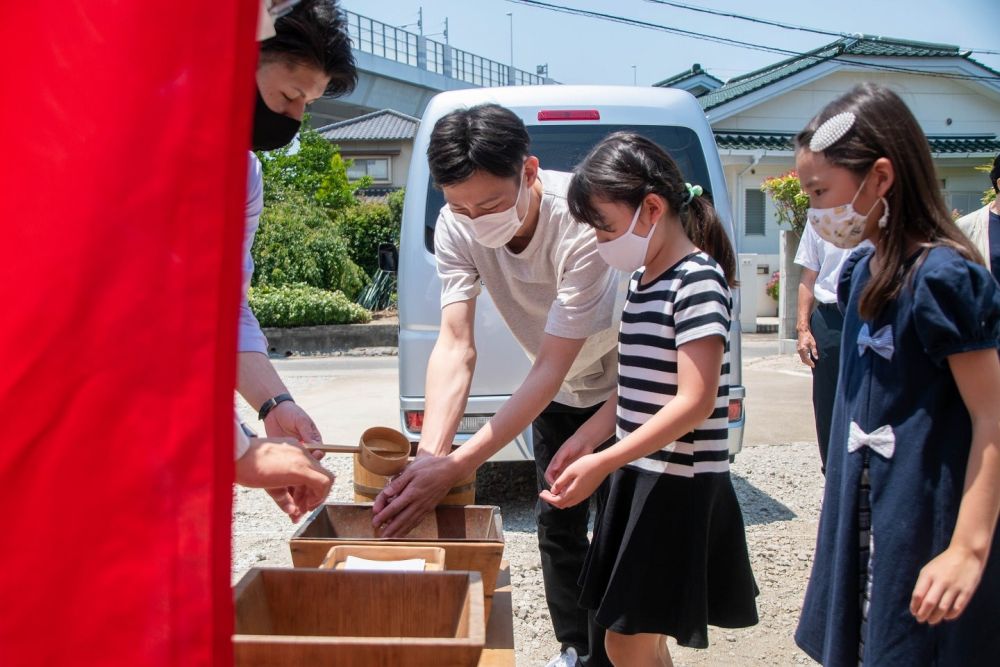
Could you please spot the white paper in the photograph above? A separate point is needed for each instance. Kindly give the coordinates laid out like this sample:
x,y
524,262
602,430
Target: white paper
x,y
409,565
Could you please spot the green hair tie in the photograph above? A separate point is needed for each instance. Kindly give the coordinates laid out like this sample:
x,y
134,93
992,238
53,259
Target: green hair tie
x,y
693,191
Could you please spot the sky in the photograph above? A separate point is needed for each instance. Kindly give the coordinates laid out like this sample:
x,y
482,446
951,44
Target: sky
x,y
581,50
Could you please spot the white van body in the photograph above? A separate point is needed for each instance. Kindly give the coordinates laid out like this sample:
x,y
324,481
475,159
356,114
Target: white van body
x,y
670,117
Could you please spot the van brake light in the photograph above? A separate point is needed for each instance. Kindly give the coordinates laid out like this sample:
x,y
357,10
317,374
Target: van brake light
x,y
569,114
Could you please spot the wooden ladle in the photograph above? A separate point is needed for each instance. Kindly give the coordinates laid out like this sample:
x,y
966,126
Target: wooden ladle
x,y
381,450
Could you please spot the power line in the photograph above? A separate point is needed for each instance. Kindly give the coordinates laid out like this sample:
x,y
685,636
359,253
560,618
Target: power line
x,y
751,19
745,45
776,24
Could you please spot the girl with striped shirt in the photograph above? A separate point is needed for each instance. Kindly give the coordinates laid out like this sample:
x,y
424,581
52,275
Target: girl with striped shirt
x,y
669,553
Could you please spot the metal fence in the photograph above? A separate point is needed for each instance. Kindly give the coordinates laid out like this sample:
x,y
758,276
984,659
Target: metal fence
x,y
402,46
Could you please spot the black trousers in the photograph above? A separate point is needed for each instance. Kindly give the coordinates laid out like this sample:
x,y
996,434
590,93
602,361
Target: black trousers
x,y
827,324
562,539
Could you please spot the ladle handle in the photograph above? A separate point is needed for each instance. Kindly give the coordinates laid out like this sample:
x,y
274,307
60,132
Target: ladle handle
x,y
335,449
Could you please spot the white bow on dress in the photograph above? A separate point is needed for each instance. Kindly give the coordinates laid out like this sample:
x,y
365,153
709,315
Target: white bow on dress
x,y
882,440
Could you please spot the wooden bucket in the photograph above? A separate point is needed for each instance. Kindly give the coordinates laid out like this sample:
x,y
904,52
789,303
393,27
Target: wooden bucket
x,y
367,486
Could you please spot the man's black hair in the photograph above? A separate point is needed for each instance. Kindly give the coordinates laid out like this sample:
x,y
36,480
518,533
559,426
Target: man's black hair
x,y
314,34
486,137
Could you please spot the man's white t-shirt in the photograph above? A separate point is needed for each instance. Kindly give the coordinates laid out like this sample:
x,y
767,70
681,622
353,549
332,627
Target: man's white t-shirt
x,y
827,259
557,285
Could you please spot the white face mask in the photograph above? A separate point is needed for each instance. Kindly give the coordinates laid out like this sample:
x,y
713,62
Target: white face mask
x,y
842,225
495,229
628,251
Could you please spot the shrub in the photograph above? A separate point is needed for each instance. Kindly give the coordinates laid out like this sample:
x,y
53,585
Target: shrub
x,y
365,226
302,305
297,243
790,202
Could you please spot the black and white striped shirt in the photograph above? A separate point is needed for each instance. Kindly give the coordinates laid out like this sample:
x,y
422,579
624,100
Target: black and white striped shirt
x,y
691,300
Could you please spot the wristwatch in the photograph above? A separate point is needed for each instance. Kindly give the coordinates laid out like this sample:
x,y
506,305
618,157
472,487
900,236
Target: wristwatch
x,y
271,403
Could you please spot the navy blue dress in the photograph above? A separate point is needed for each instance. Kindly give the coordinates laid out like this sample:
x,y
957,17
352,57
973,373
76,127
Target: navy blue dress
x,y
899,385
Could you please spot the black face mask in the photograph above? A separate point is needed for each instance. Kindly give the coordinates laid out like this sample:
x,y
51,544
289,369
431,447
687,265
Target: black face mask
x,y
271,130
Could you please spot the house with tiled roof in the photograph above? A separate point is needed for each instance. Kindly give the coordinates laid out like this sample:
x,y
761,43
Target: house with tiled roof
x,y
756,116
379,144
696,81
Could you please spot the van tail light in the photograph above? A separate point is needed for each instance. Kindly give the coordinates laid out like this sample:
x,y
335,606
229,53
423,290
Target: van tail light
x,y
414,420
470,423
569,114
735,409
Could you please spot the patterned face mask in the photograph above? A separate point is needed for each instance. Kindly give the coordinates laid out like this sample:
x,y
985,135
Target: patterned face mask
x,y
842,225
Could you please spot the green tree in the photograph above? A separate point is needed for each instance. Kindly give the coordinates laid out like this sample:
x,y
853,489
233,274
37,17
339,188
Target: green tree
x,y
315,168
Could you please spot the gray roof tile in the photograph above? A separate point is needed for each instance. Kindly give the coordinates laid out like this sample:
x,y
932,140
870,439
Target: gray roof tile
x,y
782,141
862,45
383,125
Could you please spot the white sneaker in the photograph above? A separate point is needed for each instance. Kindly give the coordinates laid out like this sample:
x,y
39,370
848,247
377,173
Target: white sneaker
x,y
567,658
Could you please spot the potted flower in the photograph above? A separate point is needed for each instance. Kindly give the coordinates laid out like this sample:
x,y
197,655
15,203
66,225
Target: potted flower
x,y
773,287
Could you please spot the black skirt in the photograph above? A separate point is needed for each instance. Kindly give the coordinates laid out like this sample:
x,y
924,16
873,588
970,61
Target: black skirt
x,y
669,556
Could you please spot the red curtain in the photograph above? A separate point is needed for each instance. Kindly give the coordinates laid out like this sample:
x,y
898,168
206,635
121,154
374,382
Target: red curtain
x,y
123,129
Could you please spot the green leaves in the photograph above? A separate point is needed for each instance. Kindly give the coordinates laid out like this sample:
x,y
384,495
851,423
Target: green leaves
x,y
364,227
316,169
314,234
297,243
300,305
790,202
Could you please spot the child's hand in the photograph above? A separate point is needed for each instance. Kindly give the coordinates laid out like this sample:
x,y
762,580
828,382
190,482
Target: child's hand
x,y
946,585
576,483
571,450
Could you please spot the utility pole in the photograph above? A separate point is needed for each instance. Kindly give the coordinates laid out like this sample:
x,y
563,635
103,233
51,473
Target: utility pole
x,y
420,21
510,15
635,77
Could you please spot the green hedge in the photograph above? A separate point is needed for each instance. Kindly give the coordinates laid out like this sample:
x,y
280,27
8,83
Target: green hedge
x,y
302,305
297,243
364,226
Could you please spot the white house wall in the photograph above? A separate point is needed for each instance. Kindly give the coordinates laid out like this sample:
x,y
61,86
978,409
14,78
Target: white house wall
x,y
752,179
972,109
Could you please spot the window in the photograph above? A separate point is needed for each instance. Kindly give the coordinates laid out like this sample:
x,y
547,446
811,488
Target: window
x,y
376,167
562,147
963,202
753,213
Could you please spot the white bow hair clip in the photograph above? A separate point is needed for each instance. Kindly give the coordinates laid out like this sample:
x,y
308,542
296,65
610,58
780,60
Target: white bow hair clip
x,y
831,131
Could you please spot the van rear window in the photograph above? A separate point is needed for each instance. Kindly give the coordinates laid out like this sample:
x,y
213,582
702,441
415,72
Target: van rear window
x,y
562,147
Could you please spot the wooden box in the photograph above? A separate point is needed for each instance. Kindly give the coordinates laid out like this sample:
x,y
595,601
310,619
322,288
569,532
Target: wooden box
x,y
471,536
331,618
336,558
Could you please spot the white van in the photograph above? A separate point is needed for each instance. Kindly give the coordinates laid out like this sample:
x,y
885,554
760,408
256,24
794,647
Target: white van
x,y
564,123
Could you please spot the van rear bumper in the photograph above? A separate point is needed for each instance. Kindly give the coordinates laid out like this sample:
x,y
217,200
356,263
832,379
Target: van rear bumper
x,y
521,449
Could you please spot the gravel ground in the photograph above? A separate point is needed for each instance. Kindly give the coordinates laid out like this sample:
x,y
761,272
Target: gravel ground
x,y
779,486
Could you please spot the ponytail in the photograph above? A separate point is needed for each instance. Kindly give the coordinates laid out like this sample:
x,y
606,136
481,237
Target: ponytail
x,y
704,227
626,167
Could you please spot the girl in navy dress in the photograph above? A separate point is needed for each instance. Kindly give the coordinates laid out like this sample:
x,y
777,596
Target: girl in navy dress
x,y
669,553
907,569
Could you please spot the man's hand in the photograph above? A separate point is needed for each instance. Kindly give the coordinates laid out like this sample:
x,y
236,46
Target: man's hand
x,y
577,483
413,493
807,347
296,482
288,420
